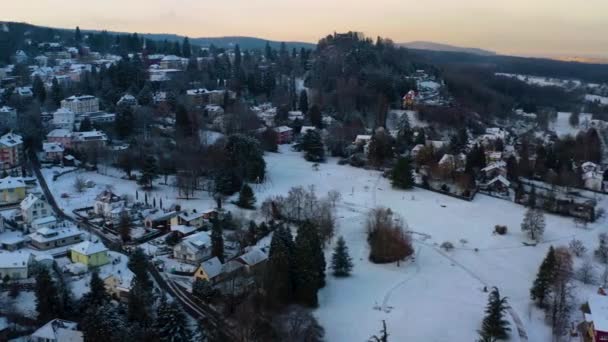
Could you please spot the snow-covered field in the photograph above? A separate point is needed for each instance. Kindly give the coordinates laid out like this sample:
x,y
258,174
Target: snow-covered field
x,y
596,98
437,286
542,81
561,126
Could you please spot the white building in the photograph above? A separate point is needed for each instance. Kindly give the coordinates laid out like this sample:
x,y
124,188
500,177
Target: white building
x,y
33,208
15,264
64,118
58,330
194,248
81,104
107,204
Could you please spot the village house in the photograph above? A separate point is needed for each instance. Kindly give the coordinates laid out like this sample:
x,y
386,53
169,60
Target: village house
x,y
159,219
209,270
284,134
494,170
253,259
173,62
213,111
64,118
43,222
118,286
11,151
499,185
107,204
8,117
47,238
52,152
12,190
294,115
416,150
91,254
34,207
81,104
58,330
60,136
194,219
593,177
194,248
89,140
127,100
15,264
595,326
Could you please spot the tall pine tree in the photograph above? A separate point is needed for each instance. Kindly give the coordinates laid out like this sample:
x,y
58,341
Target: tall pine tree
x,y
341,262
495,324
171,323
402,176
48,303
309,264
246,197
541,289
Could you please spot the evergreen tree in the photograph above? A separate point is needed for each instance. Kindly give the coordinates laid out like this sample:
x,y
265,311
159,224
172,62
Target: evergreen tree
x,y
85,125
103,324
56,93
148,172
38,90
183,125
303,106
217,239
48,303
315,116
309,264
340,261
312,145
97,295
171,323
246,197
402,176
532,197
279,276
125,121
202,289
78,35
237,59
495,324
541,289
186,48
140,297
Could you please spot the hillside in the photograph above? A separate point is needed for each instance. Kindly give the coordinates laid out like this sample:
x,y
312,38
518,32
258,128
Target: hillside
x,y
422,45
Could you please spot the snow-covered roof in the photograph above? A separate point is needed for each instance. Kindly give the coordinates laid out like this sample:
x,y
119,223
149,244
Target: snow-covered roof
x,y
283,129
74,98
498,165
363,138
183,229
212,267
44,220
11,139
500,179
6,109
46,234
50,147
253,257
59,133
90,135
89,248
11,183
28,201
305,129
198,241
598,305
18,259
55,330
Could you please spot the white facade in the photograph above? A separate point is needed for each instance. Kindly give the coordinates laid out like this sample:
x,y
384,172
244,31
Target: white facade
x,y
33,208
64,118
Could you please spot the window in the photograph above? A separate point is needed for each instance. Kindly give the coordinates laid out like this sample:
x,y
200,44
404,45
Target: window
x,y
34,212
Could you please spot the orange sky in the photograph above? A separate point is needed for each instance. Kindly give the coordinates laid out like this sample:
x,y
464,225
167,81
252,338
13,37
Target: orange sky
x,y
529,27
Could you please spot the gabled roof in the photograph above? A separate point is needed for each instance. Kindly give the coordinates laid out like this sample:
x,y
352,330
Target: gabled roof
x,y
11,183
28,201
500,179
18,259
55,329
253,257
212,267
498,165
89,248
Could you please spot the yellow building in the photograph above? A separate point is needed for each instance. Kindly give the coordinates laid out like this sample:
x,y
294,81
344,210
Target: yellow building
x,y
209,269
12,190
92,254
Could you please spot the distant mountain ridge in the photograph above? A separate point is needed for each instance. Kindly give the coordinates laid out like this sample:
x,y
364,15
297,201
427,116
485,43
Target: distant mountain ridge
x,y
422,45
247,43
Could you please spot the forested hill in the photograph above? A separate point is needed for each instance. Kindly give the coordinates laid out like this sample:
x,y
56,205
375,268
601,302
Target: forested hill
x,y
597,73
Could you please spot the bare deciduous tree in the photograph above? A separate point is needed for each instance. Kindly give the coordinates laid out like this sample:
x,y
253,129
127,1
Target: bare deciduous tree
x,y
80,184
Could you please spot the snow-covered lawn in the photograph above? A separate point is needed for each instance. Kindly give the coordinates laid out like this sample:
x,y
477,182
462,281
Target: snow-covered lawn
x,y
596,98
561,126
437,286
113,178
